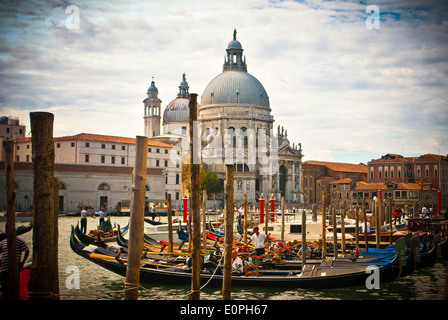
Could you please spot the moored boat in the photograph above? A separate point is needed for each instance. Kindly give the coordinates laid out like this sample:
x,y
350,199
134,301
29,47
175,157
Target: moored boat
x,y
316,276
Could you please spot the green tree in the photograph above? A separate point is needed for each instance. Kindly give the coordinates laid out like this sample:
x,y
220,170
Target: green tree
x,y
211,182
207,180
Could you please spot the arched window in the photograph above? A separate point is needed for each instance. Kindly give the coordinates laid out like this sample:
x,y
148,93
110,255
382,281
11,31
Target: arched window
x,y
243,132
104,186
231,135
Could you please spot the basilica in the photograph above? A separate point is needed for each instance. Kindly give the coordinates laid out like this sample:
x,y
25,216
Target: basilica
x,y
235,126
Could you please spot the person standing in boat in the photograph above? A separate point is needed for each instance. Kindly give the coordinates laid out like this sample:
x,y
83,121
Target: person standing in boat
x,y
102,216
153,212
84,214
259,240
397,215
365,227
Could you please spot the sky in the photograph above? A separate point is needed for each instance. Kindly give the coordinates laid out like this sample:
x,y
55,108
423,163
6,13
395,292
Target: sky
x,y
348,83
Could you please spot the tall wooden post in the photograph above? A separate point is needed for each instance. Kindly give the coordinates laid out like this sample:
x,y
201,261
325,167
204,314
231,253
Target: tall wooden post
x,y
343,249
364,211
261,219
266,221
357,227
304,245
56,234
13,267
390,220
136,220
43,276
378,226
169,216
246,214
204,221
228,237
335,232
195,201
324,225
282,234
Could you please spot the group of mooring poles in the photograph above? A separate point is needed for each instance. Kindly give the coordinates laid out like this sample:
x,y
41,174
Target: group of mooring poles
x,y
378,220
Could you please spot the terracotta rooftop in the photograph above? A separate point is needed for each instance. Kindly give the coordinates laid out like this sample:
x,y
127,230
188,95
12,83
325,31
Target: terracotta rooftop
x,y
396,157
340,181
361,185
106,138
340,167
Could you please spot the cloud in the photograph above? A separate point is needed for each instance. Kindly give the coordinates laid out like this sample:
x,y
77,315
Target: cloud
x,y
338,88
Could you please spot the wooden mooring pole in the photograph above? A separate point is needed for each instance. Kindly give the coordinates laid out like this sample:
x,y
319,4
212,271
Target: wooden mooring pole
x,y
13,266
282,208
43,276
364,212
136,222
204,219
343,247
246,214
324,225
228,237
304,245
335,232
169,215
357,227
195,208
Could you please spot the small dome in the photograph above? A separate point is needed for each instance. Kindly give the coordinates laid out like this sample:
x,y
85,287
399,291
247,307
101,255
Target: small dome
x,y
177,111
235,44
153,87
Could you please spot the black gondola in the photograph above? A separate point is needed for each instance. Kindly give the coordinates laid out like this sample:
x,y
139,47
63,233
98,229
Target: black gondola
x,y
335,276
97,240
19,231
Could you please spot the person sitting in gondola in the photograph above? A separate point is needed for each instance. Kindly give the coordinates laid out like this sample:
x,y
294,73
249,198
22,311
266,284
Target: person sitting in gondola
x,y
237,264
308,251
182,235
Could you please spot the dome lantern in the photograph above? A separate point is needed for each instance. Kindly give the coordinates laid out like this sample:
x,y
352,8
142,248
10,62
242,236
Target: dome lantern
x,y
234,59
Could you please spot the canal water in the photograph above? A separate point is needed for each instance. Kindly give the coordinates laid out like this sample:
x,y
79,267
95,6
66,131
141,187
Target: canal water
x,y
97,283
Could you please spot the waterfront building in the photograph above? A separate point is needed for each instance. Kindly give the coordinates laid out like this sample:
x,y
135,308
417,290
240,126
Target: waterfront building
x,y
409,196
318,176
429,170
236,126
95,171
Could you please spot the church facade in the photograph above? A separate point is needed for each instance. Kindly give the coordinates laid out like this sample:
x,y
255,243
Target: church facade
x,y
235,126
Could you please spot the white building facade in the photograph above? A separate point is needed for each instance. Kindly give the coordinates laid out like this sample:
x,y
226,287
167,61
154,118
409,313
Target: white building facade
x,y
236,127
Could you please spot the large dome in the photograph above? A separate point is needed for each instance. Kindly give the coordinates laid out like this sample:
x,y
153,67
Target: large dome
x,y
235,87
177,111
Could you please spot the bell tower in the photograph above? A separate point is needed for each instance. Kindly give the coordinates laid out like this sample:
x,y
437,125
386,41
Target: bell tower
x,y
152,111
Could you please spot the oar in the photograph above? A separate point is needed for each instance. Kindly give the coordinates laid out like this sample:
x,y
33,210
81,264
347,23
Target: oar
x,y
102,256
234,241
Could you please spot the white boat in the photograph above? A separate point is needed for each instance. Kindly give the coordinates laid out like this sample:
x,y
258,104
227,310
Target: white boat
x,y
293,231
